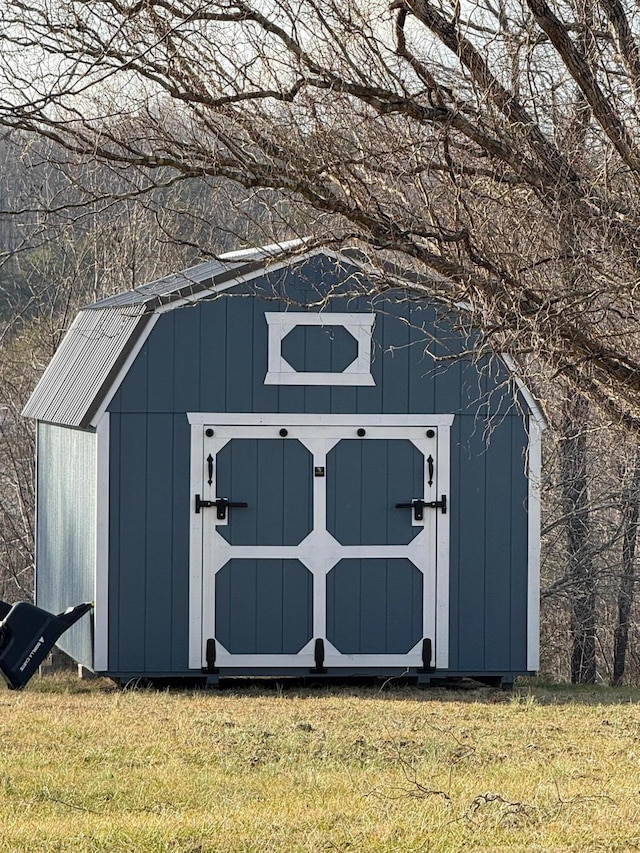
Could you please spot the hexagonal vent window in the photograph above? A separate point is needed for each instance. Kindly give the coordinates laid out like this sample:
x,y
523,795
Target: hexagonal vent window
x,y
319,349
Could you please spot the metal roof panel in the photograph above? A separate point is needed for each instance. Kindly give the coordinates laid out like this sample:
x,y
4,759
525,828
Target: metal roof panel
x,y
95,347
170,288
85,361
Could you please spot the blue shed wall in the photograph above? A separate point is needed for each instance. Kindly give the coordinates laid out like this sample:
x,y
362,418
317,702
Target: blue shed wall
x,y
211,357
66,529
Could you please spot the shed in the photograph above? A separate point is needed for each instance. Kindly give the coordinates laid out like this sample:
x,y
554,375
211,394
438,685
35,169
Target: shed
x,y
262,466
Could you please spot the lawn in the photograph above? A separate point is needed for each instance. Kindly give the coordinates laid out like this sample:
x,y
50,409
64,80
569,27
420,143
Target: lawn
x,y
87,767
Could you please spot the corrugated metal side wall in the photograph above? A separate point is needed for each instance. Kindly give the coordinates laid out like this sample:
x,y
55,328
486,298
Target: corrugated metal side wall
x,y
66,529
212,358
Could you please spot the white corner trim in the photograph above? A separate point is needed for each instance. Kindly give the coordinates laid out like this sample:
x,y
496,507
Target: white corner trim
x,y
534,472
36,513
280,372
101,603
126,367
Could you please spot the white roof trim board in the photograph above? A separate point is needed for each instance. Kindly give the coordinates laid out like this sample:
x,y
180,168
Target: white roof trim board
x,y
89,361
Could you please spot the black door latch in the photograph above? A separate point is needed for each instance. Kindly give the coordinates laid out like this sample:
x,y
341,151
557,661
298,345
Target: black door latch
x,y
418,505
220,504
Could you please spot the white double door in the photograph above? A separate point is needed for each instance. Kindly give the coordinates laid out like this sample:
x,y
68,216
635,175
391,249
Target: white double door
x,y
302,539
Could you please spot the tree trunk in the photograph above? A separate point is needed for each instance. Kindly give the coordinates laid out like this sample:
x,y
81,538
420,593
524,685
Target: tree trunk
x,y
630,511
575,494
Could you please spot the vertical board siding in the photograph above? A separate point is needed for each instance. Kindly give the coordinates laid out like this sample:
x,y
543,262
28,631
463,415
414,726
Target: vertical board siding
x,y
66,529
212,357
470,509
209,324
365,480
159,543
374,606
132,605
242,376
421,366
117,505
488,582
397,350
179,518
263,606
149,526
160,362
497,551
185,370
274,477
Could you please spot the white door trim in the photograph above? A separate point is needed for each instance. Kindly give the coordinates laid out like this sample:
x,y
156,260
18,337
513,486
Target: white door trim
x,y
307,428
254,419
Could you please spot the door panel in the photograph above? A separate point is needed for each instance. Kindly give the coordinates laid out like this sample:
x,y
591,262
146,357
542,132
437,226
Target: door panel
x,y
374,606
263,606
274,477
366,478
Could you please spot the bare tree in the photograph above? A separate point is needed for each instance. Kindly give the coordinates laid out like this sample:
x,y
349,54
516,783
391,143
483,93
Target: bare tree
x,y
630,510
491,148
581,569
16,477
590,528
50,265
439,131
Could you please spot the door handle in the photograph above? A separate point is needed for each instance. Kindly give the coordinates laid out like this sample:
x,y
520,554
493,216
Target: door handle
x,y
418,505
220,504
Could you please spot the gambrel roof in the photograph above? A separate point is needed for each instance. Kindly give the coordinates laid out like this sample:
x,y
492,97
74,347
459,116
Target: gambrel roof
x,y
106,335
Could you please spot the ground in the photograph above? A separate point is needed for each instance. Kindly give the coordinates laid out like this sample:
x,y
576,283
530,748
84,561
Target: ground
x,y
85,766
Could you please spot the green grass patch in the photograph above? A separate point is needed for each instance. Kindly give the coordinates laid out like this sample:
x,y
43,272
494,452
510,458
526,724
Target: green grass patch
x,y
87,767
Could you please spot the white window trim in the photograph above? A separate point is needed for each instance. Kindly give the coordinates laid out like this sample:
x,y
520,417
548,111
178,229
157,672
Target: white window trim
x,y
312,422
280,372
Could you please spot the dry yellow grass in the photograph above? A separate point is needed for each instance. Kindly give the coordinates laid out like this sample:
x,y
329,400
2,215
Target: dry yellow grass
x,y
86,767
